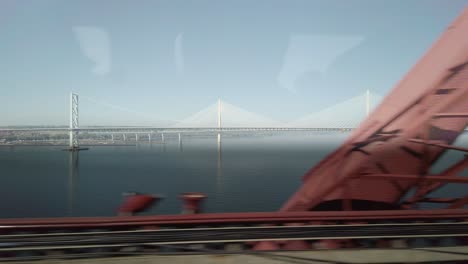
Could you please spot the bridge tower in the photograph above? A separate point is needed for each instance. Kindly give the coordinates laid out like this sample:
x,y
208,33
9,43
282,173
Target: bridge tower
x,y
219,113
74,124
219,137
73,144
219,124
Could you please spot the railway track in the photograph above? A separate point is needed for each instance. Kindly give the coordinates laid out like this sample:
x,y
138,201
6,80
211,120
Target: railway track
x,y
186,236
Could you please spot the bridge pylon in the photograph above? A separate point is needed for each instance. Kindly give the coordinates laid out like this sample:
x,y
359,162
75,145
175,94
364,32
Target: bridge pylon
x,y
74,124
219,114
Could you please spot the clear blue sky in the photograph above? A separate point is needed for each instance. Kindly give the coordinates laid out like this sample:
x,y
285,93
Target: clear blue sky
x,y
150,60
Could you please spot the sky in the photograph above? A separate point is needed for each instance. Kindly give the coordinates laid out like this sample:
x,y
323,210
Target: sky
x,y
152,62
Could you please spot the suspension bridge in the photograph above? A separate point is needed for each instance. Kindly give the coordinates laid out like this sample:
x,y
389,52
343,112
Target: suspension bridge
x,y
222,117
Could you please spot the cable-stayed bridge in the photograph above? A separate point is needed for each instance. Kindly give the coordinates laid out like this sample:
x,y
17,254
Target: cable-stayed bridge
x,y
347,114
225,117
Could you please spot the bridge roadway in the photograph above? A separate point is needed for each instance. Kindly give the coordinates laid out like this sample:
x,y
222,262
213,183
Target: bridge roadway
x,y
167,129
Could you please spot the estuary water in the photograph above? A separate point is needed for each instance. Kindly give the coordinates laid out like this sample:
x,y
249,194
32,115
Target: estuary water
x,y
247,173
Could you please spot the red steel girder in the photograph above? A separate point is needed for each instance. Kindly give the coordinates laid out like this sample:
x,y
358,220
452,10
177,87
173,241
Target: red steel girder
x,y
224,218
430,187
438,200
427,107
450,115
437,143
425,178
459,204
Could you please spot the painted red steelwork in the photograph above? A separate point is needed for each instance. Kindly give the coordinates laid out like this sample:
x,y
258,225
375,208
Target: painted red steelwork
x,y
438,143
427,106
136,203
422,178
192,202
224,218
266,246
439,200
459,203
450,115
428,188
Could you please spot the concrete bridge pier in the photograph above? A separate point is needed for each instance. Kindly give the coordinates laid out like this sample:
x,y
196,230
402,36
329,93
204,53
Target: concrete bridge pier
x,y
149,137
112,138
162,138
136,137
124,137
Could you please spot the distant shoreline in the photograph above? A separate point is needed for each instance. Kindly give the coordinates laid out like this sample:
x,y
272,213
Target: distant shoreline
x,y
65,145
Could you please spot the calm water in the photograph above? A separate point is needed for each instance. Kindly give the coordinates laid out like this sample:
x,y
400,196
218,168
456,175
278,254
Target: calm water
x,y
255,173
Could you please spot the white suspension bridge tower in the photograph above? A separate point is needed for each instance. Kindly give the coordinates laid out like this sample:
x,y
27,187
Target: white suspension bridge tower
x,y
74,124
